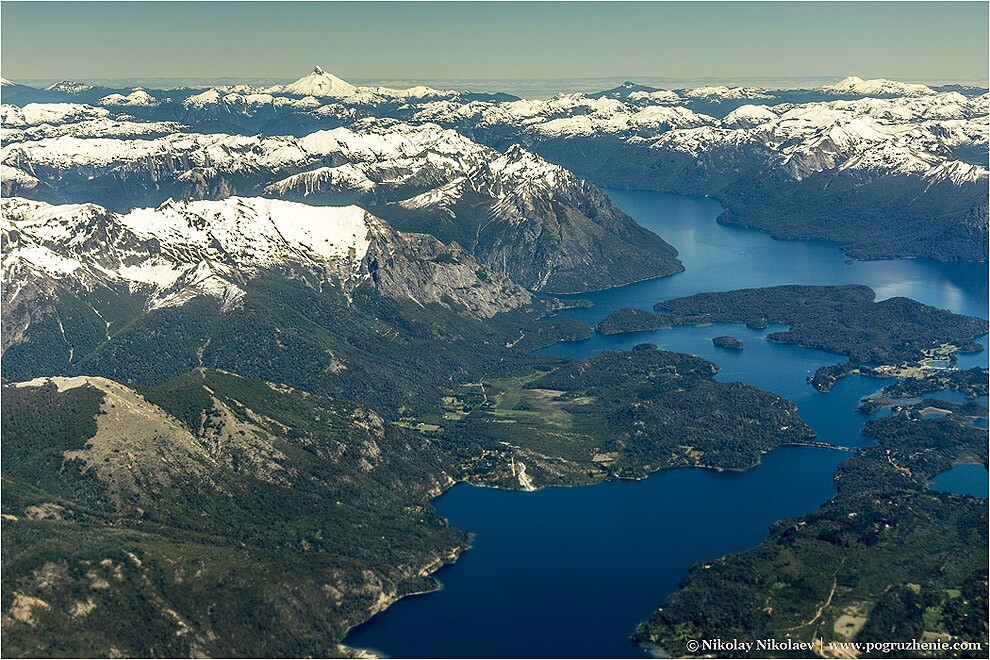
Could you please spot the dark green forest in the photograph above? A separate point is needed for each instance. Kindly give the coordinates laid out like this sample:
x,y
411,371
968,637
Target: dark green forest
x,y
275,547
845,320
886,560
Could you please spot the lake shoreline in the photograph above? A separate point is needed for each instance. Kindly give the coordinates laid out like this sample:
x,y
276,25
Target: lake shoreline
x,y
713,259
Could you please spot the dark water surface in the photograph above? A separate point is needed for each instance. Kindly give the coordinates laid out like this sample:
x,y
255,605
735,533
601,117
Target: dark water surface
x,y
570,572
963,479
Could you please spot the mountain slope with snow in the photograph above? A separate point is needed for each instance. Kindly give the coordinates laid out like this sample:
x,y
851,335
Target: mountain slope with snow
x,y
523,217
176,251
877,87
322,140
917,156
318,83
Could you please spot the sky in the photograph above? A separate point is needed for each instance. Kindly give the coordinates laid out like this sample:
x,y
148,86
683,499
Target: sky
x,y
86,41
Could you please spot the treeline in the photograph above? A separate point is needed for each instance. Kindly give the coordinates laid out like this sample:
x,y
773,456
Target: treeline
x,y
394,356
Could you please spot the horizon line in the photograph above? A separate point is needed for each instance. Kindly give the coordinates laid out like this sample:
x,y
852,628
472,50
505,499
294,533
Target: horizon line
x,y
727,80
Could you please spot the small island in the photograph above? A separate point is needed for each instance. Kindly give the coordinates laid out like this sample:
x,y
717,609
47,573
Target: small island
x,y
631,319
728,342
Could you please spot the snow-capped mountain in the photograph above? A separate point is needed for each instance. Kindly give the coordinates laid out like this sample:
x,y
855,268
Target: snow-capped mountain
x,y
313,90
69,87
749,116
138,97
721,92
877,87
914,128
423,151
35,121
318,83
170,254
382,163
35,114
320,94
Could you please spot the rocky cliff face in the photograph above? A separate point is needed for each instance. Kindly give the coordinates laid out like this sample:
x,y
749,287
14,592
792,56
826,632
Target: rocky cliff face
x,y
167,255
421,268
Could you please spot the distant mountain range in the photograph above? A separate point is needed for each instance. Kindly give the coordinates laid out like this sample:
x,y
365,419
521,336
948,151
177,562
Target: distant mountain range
x,y
886,169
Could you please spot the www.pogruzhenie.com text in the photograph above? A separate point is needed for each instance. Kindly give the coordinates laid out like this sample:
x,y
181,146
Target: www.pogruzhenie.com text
x,y
772,645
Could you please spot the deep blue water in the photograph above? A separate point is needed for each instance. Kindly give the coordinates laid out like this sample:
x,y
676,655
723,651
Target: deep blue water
x,y
720,258
964,479
570,572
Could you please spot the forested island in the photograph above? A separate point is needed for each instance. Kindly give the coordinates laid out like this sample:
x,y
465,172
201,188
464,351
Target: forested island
x,y
893,337
728,342
886,560
631,319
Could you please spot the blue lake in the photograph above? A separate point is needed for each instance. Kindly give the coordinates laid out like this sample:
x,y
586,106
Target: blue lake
x,y
570,572
964,479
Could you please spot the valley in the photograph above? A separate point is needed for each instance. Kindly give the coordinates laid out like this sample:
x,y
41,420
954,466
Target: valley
x,y
264,346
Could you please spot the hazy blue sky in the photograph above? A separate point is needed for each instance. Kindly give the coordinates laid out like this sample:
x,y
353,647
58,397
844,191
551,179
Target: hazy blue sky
x,y
937,41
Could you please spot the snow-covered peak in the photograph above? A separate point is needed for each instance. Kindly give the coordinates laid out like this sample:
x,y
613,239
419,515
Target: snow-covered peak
x,y
35,114
180,250
721,92
4,82
246,232
517,178
957,172
346,177
96,127
138,98
257,230
208,97
567,115
319,83
878,87
517,160
372,140
417,92
378,95
747,116
230,152
69,87
658,96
